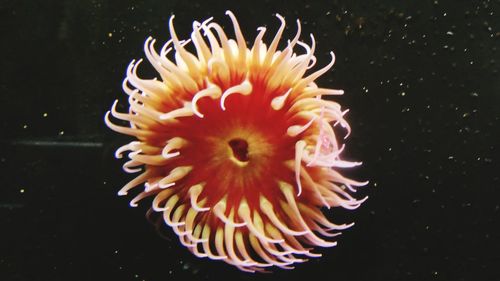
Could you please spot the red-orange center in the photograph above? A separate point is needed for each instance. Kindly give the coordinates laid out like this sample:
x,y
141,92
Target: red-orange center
x,y
238,153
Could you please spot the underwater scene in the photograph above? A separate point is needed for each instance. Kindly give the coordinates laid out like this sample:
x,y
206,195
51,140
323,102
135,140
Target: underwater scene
x,y
250,140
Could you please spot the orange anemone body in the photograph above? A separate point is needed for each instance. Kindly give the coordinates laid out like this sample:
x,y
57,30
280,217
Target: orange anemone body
x,y
236,146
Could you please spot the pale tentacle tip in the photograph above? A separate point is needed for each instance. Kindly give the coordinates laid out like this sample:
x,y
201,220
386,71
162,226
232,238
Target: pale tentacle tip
x,y
115,102
201,209
159,209
354,164
178,224
118,156
170,155
131,171
363,200
165,116
304,232
333,57
106,117
149,187
122,193
196,111
239,224
346,226
163,186
364,183
222,106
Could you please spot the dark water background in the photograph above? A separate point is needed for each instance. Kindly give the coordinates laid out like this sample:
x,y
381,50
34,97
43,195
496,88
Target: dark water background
x,y
421,80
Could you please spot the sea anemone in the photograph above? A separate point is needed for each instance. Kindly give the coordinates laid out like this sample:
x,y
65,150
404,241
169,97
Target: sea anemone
x,y
236,146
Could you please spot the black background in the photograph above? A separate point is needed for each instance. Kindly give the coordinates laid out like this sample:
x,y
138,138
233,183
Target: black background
x,y
421,81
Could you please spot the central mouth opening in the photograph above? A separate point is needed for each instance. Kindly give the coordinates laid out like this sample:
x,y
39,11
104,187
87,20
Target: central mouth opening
x,y
240,149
